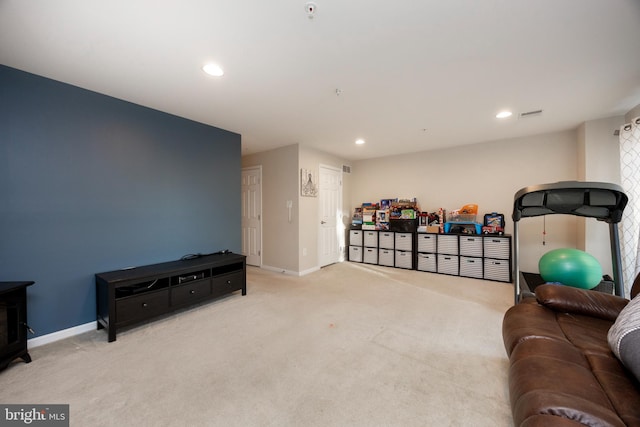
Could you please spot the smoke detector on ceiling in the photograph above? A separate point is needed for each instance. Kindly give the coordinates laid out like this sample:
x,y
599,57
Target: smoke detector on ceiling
x,y
310,7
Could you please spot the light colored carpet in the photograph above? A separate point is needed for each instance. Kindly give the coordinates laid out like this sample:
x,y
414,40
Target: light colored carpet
x,y
349,345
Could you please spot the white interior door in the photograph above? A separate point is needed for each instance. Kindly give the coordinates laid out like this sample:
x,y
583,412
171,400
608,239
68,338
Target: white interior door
x,y
252,215
330,202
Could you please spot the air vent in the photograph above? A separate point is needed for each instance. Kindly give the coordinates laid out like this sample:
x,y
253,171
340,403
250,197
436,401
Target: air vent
x,y
531,113
346,169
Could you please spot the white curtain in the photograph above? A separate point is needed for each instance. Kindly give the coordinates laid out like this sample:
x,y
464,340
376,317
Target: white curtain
x,y
630,180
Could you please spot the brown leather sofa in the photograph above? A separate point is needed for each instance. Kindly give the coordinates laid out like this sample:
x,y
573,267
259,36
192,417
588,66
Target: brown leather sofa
x,y
562,371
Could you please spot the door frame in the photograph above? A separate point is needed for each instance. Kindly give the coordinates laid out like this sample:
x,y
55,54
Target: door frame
x,y
339,221
259,169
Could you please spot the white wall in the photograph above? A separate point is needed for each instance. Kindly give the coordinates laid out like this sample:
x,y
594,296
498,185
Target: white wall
x,y
284,243
599,160
279,184
309,207
487,174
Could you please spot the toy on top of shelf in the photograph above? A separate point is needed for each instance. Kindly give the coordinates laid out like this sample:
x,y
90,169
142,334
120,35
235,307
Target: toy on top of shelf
x,y
467,213
369,217
463,220
404,209
382,219
385,204
431,222
423,221
356,219
493,223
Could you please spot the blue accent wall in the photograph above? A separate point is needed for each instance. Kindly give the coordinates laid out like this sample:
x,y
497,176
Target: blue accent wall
x,y
90,183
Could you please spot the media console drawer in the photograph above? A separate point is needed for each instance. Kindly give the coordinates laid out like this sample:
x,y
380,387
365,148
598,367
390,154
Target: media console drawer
x,y
190,292
226,283
124,297
134,308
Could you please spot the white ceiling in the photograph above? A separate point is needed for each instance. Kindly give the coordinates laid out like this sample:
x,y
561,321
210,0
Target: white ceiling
x,y
414,75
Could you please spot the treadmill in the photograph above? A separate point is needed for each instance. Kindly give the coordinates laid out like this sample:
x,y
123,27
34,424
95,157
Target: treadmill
x,y
600,200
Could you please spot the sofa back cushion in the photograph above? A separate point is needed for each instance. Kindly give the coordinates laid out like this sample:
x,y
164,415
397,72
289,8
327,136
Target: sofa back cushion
x,y
565,299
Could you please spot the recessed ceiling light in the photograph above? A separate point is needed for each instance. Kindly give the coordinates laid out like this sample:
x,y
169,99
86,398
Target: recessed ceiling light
x,y
213,70
503,114
359,141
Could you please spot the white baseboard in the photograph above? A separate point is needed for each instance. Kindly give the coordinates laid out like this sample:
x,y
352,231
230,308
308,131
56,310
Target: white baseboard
x,y
309,271
290,272
280,270
65,333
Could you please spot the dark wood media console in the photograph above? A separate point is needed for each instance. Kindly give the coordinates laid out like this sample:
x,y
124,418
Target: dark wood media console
x,y
125,297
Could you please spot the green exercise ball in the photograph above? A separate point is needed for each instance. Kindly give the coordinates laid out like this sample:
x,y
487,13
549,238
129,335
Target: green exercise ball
x,y
571,267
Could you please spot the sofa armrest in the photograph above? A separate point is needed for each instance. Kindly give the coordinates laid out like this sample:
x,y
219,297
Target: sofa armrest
x,y
566,299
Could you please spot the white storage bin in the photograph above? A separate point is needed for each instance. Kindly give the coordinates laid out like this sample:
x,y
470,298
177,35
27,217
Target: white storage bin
x,y
448,264
370,255
386,239
497,269
427,242
427,262
386,257
355,253
448,244
404,259
471,246
497,247
471,267
404,241
355,237
371,239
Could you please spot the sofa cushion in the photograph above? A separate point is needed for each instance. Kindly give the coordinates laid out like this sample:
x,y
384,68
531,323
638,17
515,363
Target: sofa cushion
x,y
562,351
624,337
619,385
589,334
565,299
525,321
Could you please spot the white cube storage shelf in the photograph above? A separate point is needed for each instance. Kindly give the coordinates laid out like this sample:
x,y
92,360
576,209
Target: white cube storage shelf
x,y
497,258
355,245
478,256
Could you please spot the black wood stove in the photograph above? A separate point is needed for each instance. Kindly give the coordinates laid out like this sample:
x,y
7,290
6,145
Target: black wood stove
x,y
13,322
